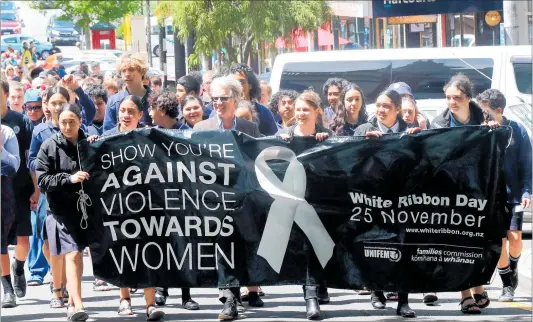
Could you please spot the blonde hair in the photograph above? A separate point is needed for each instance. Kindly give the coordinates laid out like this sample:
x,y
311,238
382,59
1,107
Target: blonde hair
x,y
265,84
313,99
135,60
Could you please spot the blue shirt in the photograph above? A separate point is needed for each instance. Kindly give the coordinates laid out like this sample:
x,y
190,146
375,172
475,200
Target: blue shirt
x,y
96,128
88,109
113,104
221,124
517,164
455,123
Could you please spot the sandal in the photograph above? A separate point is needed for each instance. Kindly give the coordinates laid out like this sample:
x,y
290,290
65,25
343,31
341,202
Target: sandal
x,y
79,315
153,313
480,297
100,286
392,296
467,308
56,302
64,293
133,290
124,307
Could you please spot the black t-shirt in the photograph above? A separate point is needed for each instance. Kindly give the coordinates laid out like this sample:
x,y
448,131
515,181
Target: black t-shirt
x,y
23,128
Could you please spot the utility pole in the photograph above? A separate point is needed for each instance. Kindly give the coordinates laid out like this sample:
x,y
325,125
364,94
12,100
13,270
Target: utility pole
x,y
163,51
510,22
148,33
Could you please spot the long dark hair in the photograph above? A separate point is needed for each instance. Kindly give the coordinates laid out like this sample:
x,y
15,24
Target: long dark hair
x,y
71,108
57,90
394,97
339,120
135,99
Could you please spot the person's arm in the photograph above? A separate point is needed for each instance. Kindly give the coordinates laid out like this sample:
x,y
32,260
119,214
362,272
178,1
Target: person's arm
x,y
110,118
10,155
87,104
47,179
525,164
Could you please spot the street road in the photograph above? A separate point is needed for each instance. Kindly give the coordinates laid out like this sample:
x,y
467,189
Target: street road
x,y
282,303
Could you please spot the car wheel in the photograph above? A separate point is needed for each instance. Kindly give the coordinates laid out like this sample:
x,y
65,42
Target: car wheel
x,y
157,52
45,54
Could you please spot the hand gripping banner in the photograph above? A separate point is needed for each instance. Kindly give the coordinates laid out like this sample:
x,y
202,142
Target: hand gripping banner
x,y
213,209
289,207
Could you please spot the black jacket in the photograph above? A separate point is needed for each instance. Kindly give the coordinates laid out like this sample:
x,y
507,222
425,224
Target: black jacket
x,y
443,119
56,161
372,125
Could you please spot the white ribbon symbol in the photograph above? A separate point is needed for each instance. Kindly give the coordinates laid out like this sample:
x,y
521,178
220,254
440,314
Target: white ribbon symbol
x,y
289,206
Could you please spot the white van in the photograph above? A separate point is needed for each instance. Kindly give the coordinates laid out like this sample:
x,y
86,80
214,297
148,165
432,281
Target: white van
x,y
154,36
426,70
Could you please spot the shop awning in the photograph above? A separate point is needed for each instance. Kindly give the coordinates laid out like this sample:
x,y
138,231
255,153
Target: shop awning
x,y
394,8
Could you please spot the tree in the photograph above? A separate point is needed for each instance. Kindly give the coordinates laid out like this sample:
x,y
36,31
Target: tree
x,y
85,12
238,26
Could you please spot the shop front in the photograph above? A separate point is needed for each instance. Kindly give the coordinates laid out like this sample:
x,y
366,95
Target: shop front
x,y
437,23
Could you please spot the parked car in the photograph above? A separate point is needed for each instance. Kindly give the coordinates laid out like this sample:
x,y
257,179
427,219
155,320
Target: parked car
x,y
9,7
44,49
61,31
10,27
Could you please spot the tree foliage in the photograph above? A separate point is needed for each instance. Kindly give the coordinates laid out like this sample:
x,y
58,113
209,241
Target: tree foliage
x,y
86,12
238,26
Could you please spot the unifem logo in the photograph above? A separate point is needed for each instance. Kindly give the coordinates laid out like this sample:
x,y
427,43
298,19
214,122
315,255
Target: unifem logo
x,y
392,254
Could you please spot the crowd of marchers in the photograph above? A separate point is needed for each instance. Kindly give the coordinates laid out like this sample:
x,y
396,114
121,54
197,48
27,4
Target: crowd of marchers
x,y
41,170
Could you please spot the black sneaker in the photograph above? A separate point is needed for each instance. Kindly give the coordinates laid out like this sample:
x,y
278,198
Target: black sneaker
x,y
9,300
507,294
19,282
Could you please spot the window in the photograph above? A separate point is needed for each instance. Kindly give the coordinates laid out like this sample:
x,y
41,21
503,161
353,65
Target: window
x,y
522,74
371,76
8,16
426,77
11,40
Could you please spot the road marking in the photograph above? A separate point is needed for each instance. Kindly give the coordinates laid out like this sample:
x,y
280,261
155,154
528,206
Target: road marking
x,y
518,305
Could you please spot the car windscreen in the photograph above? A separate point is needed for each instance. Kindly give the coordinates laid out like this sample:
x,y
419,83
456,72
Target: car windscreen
x,y
523,112
63,24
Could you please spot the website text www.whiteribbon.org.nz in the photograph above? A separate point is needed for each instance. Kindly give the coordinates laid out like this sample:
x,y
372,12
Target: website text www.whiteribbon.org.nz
x,y
372,209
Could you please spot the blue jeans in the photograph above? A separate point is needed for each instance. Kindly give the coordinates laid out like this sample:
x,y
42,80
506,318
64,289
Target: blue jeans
x,y
37,264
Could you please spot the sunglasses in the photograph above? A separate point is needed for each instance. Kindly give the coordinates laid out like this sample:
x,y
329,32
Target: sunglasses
x,y
33,108
223,99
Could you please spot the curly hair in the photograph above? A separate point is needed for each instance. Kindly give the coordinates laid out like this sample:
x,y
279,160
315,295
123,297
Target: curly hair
x,y
334,81
274,100
463,83
166,102
255,88
339,120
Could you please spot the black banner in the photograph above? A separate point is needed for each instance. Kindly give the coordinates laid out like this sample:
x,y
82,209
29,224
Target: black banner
x,y
182,209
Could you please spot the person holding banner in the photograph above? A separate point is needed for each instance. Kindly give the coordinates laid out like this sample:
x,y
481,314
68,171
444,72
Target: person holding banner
x,y
310,122
59,175
388,121
164,111
517,167
130,114
351,111
192,110
226,92
462,111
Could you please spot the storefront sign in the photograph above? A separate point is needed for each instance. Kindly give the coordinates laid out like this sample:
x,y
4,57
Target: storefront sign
x,y
395,8
411,19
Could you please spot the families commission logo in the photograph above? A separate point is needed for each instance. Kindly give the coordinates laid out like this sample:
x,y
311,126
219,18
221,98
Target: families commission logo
x,y
392,254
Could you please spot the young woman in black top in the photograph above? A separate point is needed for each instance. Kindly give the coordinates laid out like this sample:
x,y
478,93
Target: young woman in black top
x,y
59,175
351,112
309,122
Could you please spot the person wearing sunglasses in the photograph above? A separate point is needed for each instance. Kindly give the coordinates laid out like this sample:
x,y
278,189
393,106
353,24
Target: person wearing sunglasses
x,y
33,106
